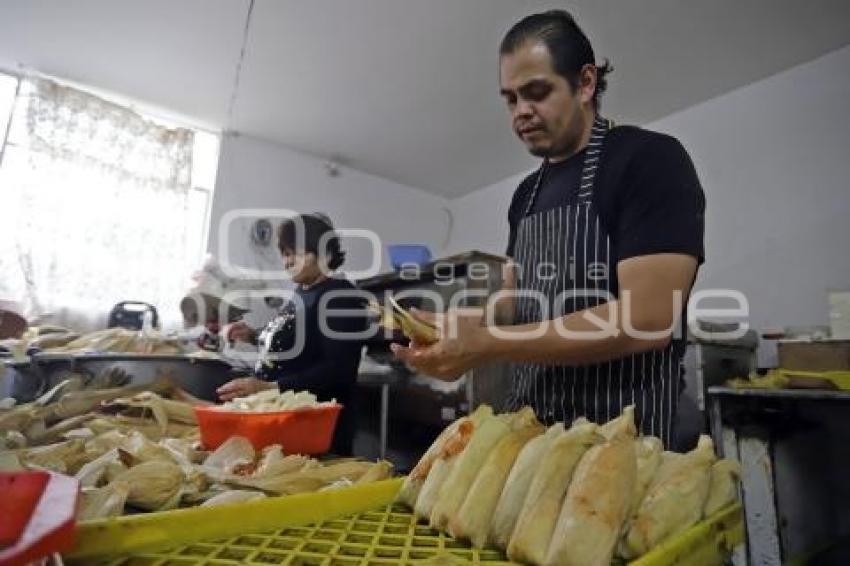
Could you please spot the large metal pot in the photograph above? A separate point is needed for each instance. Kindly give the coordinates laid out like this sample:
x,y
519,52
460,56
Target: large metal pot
x,y
199,376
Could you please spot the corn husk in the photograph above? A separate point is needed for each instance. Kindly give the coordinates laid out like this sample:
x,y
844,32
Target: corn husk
x,y
78,402
22,417
674,500
163,410
148,427
103,502
648,451
233,496
415,329
9,462
472,520
12,439
449,443
542,505
723,486
104,442
235,451
120,340
284,484
85,434
286,465
469,462
57,432
184,450
269,456
516,486
309,479
622,425
102,469
377,472
143,449
64,457
154,485
597,501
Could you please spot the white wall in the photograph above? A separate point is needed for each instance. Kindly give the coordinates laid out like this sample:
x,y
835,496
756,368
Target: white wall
x,y
256,174
774,162
481,217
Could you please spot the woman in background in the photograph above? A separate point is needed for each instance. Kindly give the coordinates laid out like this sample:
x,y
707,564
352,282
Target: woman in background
x,y
324,364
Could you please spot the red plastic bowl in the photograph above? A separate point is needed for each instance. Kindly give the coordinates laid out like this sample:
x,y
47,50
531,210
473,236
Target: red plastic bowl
x,y
303,431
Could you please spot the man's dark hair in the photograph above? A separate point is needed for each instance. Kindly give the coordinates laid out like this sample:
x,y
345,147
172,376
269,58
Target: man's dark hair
x,y
567,44
314,228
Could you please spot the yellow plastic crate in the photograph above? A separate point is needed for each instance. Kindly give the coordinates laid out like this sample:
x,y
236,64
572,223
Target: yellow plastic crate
x,y
381,535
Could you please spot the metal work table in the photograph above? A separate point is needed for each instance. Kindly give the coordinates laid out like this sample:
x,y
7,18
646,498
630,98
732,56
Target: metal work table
x,y
383,377
794,449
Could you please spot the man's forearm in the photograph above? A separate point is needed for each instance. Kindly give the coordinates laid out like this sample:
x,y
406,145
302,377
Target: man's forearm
x,y
503,308
572,340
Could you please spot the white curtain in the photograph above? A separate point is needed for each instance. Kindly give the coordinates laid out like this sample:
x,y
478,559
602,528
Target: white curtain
x,y
95,208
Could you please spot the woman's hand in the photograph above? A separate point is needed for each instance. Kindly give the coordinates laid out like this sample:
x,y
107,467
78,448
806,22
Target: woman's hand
x,y
242,387
239,332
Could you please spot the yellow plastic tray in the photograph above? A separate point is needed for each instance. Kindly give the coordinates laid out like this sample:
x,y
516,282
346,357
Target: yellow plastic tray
x,y
327,529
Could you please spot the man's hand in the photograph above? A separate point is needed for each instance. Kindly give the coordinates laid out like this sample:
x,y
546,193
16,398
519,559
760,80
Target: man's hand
x,y
243,387
460,348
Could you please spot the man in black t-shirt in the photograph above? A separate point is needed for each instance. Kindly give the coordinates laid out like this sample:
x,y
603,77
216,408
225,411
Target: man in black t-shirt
x,y
606,236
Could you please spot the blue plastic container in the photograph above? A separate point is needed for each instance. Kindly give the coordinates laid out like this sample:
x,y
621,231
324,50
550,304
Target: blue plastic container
x,y
408,254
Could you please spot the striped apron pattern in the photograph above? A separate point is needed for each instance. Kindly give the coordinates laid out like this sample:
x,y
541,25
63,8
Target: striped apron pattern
x,y
566,252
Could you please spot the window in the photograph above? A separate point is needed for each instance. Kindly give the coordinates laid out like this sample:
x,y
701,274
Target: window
x,y
98,203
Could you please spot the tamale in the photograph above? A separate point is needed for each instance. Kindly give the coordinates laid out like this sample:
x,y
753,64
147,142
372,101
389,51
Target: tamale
x,y
469,462
723,486
472,520
154,485
674,500
597,501
65,457
107,466
516,486
542,505
235,451
431,487
102,502
648,451
449,443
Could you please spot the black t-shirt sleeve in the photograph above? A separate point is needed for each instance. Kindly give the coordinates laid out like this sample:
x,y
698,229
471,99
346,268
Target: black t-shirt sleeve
x,y
662,209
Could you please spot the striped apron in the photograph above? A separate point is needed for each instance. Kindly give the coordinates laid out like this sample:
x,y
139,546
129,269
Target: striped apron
x,y
566,251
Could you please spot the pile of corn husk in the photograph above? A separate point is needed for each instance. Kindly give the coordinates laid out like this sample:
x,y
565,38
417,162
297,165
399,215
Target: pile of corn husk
x,y
65,407
120,340
40,337
147,456
55,340
274,400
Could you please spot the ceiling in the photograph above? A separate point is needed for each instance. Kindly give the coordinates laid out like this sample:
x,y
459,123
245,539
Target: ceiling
x,y
404,89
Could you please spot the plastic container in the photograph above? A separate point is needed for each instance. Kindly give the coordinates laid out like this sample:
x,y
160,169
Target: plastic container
x,y
303,431
353,526
408,254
